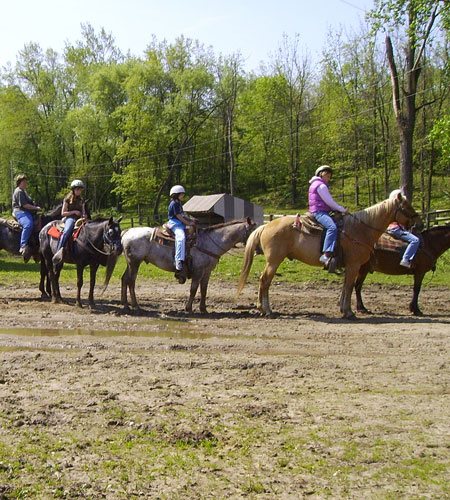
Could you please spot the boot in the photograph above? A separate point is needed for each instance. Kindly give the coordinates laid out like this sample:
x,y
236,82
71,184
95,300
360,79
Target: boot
x,y
26,253
58,257
180,274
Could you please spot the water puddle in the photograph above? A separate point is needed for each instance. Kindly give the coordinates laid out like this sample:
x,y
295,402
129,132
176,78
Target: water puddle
x,y
158,328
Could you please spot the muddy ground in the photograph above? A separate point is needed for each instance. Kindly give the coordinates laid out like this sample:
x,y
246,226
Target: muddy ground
x,y
98,404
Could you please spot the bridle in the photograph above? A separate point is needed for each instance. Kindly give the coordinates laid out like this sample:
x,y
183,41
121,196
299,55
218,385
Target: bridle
x,y
107,240
248,228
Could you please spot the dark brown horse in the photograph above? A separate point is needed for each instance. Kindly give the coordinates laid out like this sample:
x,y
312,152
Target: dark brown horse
x,y
436,241
98,243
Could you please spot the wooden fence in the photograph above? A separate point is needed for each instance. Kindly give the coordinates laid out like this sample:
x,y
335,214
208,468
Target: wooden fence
x,y
436,218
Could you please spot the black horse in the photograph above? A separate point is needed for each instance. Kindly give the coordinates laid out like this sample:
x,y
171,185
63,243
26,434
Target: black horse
x,y
98,243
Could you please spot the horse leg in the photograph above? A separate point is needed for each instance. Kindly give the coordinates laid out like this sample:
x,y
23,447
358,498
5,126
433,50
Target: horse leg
x,y
44,281
133,268
93,271
203,289
347,289
193,290
414,305
124,289
362,274
54,281
265,280
80,270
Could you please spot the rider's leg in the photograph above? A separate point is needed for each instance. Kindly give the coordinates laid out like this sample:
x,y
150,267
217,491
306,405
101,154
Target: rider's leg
x,y
26,220
330,235
68,228
413,245
180,244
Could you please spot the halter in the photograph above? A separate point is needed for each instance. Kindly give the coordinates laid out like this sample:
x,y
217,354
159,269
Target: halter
x,y
223,250
106,239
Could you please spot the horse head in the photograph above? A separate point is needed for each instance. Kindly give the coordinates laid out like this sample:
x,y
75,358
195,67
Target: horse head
x,y
405,214
112,236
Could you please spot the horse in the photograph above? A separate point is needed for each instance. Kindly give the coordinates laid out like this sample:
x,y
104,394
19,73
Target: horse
x,y
98,243
10,233
435,242
280,239
212,242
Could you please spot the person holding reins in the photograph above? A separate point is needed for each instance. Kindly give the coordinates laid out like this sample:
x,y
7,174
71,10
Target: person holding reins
x,y
24,209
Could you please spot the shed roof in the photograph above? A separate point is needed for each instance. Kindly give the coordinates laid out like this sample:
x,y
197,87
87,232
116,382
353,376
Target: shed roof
x,y
203,203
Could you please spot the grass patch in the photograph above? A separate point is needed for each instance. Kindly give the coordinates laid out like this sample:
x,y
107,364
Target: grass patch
x,y
13,271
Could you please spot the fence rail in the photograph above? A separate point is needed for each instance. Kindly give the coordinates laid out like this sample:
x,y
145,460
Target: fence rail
x,y
436,217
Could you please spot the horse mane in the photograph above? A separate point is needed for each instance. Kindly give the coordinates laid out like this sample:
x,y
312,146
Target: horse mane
x,y
367,215
222,224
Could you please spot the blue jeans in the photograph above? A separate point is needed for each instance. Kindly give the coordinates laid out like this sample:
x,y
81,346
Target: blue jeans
x,y
26,220
69,224
330,230
413,241
180,240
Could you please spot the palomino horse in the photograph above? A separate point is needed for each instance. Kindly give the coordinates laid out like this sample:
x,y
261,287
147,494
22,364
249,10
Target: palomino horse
x,y
212,243
279,239
98,243
435,242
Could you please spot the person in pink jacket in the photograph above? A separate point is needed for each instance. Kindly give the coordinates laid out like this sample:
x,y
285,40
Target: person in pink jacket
x,y
321,203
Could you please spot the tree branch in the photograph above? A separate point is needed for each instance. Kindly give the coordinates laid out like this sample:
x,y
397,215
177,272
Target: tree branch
x,y
394,77
433,17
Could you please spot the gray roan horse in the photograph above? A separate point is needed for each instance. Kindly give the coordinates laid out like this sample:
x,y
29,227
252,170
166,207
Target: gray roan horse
x,y
212,243
98,243
10,238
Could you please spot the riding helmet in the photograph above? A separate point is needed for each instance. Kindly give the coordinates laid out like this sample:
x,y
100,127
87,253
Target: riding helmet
x,y
177,189
76,184
323,168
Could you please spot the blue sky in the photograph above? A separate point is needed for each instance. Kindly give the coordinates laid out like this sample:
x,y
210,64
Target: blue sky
x,y
253,27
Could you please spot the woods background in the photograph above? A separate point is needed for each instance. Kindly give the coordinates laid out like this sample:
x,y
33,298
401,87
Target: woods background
x,y
132,126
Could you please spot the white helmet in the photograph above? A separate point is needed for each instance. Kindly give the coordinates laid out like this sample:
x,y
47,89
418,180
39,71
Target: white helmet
x,y
323,168
395,193
77,184
176,190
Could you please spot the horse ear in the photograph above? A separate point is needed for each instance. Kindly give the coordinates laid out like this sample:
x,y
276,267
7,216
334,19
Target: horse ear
x,y
119,219
111,220
249,221
400,197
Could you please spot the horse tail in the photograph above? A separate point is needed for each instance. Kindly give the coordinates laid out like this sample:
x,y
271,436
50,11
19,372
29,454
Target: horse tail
x,y
110,265
252,242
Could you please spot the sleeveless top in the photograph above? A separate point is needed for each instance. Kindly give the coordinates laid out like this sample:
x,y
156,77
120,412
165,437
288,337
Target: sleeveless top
x,y
315,202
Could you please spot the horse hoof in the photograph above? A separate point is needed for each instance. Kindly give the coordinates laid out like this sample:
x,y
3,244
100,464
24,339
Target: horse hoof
x,y
45,296
417,312
203,310
80,305
350,316
364,311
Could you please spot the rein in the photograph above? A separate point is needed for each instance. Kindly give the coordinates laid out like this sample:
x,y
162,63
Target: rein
x,y
94,247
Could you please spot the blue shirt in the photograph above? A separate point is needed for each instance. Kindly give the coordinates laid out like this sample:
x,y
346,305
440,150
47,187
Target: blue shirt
x,y
175,208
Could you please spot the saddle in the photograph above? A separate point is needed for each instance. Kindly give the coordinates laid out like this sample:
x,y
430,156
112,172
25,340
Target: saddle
x,y
163,235
12,224
307,224
390,243
56,230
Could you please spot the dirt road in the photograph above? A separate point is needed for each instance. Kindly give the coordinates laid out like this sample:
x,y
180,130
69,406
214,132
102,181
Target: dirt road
x,y
98,404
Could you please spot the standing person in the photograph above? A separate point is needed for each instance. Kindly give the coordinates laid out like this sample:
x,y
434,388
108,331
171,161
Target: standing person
x,y
321,203
398,231
178,221
73,208
24,209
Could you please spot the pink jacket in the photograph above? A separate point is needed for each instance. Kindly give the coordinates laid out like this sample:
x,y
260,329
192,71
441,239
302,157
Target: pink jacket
x,y
320,199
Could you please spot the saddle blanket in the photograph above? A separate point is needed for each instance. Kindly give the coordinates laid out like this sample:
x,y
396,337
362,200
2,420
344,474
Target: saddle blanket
x,y
388,242
56,232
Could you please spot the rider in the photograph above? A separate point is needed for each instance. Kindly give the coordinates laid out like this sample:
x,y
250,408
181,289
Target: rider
x,y
400,232
73,208
321,203
178,221
23,210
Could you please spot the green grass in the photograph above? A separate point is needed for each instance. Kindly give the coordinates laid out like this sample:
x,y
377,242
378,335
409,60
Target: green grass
x,y
13,271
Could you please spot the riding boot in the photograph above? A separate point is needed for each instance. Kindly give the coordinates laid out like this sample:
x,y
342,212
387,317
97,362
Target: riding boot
x,y
180,274
26,253
58,257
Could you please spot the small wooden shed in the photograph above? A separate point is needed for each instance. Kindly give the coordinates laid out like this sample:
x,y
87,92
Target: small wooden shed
x,y
219,208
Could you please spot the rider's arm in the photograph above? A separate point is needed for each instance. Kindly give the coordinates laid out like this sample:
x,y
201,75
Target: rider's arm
x,y
323,192
185,220
68,213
